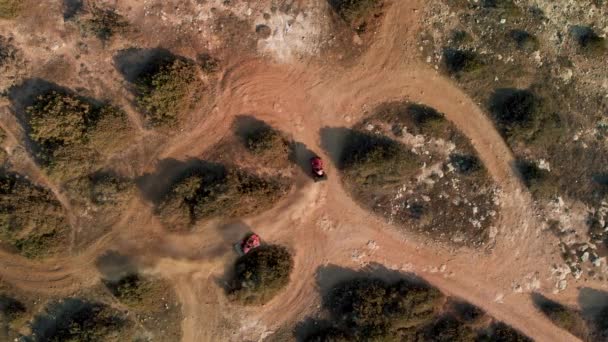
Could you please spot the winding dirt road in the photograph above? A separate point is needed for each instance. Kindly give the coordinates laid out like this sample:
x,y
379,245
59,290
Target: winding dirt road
x,y
319,222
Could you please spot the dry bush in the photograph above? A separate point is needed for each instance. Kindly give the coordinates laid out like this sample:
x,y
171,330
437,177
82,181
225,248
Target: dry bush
x,y
369,308
371,160
540,182
214,191
9,9
456,61
138,292
104,23
166,90
104,189
31,218
79,320
500,332
72,134
10,308
261,274
354,10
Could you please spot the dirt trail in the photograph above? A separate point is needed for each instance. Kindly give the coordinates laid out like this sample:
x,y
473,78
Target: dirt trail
x,y
319,221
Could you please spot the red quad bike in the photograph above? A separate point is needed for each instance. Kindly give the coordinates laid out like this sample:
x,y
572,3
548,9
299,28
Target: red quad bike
x,y
248,244
318,174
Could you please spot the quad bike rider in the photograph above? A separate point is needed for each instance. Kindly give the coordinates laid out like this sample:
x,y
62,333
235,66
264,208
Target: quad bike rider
x,y
318,173
249,243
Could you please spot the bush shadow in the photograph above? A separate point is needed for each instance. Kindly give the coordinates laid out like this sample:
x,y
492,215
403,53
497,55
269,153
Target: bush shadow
x,y
133,63
300,155
114,266
592,302
71,8
59,315
333,141
244,126
154,186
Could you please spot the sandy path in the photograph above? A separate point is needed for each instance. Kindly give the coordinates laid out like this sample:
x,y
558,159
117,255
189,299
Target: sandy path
x,y
319,222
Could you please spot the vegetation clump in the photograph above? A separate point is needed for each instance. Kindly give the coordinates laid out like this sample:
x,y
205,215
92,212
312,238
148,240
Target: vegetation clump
x,y
133,290
208,63
215,191
500,332
539,181
353,10
521,115
165,91
72,133
104,23
269,143
524,40
371,309
465,163
261,274
102,189
31,219
369,159
589,42
461,60
79,320
11,308
9,9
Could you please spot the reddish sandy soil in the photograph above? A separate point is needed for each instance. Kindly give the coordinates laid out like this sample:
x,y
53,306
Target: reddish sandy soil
x,y
319,222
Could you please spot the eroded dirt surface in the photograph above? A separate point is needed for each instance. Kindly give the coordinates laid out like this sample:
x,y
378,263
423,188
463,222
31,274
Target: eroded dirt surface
x,y
319,222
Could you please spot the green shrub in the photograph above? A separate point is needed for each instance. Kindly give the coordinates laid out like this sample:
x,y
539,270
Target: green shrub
x,y
465,164
457,61
102,189
369,159
77,320
109,131
163,93
104,23
448,329
261,274
133,290
31,219
208,63
265,140
513,107
540,182
217,192
58,119
500,332
72,134
564,317
9,9
371,308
